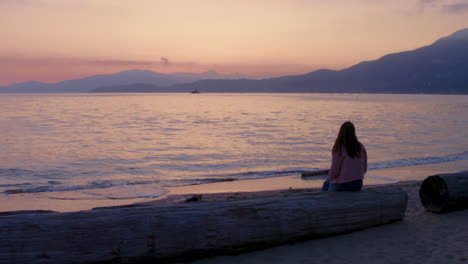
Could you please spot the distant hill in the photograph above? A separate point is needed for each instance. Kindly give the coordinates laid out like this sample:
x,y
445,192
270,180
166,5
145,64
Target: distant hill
x,y
132,88
122,78
440,68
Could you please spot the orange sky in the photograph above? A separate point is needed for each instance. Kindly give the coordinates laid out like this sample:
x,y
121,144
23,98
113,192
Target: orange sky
x,y
53,40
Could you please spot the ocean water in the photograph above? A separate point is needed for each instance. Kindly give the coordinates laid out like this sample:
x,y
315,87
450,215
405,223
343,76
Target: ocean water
x,y
125,146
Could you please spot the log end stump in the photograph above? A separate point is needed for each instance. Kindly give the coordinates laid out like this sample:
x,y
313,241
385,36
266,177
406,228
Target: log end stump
x,y
445,192
434,194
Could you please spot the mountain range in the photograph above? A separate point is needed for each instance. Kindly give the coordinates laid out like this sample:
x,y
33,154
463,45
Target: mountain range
x,y
122,78
440,68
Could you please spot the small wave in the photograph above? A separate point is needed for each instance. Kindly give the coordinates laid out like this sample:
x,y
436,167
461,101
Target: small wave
x,y
49,173
140,194
197,181
14,172
266,174
250,175
29,190
54,182
15,185
418,161
92,185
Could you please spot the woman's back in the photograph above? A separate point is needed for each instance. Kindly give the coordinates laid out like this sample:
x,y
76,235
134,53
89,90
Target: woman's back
x,y
345,168
349,161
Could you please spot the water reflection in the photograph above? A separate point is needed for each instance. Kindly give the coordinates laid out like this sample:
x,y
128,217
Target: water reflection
x,y
162,137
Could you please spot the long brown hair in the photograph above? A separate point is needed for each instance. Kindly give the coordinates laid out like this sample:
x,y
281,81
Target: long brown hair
x,y
347,138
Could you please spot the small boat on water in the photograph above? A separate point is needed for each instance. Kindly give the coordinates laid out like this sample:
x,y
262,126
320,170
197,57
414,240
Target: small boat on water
x,y
195,91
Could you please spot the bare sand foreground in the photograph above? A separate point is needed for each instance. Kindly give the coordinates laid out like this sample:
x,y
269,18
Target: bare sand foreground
x,y
422,237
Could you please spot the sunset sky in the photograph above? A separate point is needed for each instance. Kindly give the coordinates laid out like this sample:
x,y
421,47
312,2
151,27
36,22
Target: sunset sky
x,y
54,40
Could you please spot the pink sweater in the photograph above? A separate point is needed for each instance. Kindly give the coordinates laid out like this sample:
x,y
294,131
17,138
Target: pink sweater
x,y
347,169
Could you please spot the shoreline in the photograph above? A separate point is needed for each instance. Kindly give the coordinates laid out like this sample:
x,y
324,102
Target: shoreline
x,y
238,188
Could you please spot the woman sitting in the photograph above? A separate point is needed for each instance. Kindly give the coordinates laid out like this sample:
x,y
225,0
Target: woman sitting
x,y
349,162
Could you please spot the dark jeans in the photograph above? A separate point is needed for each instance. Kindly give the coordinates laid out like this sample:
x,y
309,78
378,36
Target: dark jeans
x,y
353,186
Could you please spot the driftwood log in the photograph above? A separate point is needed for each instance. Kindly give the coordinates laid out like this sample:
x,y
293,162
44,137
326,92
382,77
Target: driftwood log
x,y
193,230
314,173
445,192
